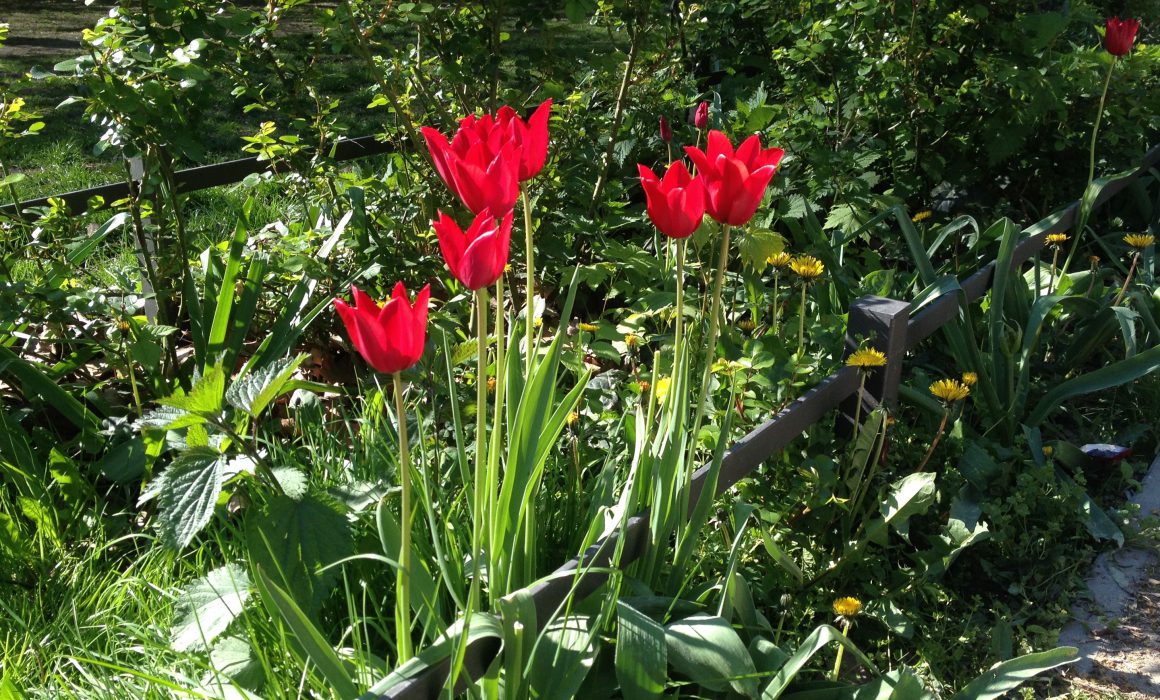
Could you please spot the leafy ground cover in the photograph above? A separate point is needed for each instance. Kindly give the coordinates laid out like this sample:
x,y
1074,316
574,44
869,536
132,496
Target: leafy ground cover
x,y
219,481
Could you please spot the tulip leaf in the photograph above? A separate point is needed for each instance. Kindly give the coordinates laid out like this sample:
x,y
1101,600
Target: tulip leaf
x,y
641,654
708,650
1012,673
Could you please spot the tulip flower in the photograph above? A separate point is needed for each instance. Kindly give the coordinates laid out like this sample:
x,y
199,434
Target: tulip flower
x,y
391,337
676,204
482,173
735,182
531,136
476,257
1119,35
666,131
701,116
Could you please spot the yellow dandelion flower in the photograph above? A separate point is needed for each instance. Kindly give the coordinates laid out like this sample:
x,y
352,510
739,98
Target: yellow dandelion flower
x,y
970,378
848,606
950,390
1094,260
780,260
866,359
1139,240
1057,239
807,267
491,384
538,323
663,385
747,324
922,216
573,419
644,386
1048,450
589,327
507,268
123,326
632,340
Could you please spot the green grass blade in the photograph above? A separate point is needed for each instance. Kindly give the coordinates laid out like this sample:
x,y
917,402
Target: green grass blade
x,y
1113,375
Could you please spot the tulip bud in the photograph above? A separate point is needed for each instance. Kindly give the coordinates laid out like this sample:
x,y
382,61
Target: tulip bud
x,y
666,131
1119,35
701,118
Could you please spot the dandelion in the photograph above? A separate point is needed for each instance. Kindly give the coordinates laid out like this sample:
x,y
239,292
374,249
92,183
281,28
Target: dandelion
x,y
123,326
1055,241
950,391
644,386
632,340
970,378
1048,450
491,383
663,385
846,608
865,359
779,261
573,419
747,325
808,268
589,327
922,216
1138,241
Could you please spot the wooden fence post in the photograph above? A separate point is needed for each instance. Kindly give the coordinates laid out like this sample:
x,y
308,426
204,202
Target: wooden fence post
x,y
882,323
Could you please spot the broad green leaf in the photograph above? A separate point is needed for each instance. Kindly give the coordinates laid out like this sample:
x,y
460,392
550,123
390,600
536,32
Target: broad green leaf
x,y
225,295
563,657
80,251
233,658
482,626
169,418
707,649
191,487
205,397
641,654
1011,674
911,495
815,642
755,246
36,384
1107,377
292,539
207,607
311,642
254,392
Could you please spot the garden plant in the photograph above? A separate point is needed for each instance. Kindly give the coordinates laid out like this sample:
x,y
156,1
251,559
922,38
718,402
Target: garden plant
x,y
329,426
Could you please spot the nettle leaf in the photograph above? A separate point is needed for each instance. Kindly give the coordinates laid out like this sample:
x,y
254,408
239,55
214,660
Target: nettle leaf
x,y
233,658
208,606
254,392
291,539
169,418
206,395
707,649
187,495
757,245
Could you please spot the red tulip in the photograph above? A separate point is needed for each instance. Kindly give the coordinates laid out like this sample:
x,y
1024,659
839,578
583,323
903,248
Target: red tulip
x,y
478,256
481,171
666,131
701,117
735,182
1119,35
390,338
532,136
676,204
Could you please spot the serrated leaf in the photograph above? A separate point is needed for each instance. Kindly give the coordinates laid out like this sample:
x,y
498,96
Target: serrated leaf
x,y
292,481
206,395
292,539
168,418
757,245
253,392
188,495
208,606
233,658
706,649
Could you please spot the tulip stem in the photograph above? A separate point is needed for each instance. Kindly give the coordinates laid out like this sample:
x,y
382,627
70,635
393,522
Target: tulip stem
x,y
497,417
679,331
403,586
478,498
530,311
714,329
1081,218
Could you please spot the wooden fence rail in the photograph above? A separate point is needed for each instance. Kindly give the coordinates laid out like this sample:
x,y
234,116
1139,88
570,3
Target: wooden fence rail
x,y
889,326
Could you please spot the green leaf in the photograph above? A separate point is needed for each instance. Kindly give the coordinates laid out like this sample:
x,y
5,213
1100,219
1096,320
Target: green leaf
x,y
911,495
12,179
36,384
310,641
1011,674
233,658
563,657
292,539
186,503
205,397
482,626
757,245
207,607
706,649
1107,377
818,640
254,392
641,654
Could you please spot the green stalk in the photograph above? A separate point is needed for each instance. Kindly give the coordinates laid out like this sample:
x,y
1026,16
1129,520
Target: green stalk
x,y
841,648
679,331
1054,262
480,497
530,287
1081,220
942,426
1128,279
776,301
858,408
497,417
714,329
802,323
403,586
